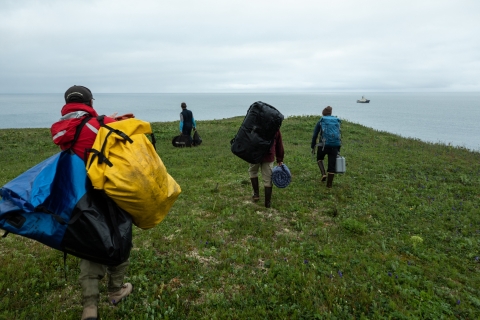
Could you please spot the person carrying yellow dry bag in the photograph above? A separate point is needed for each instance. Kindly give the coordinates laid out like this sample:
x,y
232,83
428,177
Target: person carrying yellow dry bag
x,y
124,163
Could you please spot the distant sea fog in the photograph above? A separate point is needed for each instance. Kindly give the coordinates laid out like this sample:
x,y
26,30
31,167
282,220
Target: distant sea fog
x,y
449,118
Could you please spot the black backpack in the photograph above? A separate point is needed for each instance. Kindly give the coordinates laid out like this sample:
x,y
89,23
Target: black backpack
x,y
257,132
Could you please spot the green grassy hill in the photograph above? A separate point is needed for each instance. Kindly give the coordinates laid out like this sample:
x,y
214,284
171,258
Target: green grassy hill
x,y
397,237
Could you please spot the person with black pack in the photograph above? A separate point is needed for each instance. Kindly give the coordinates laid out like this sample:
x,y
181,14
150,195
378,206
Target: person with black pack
x,y
187,122
329,143
266,166
78,111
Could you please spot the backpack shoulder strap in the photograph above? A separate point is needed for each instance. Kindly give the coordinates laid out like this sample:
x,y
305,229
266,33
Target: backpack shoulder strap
x,y
79,129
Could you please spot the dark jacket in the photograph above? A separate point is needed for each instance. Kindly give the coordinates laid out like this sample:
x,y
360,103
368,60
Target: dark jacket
x,y
187,122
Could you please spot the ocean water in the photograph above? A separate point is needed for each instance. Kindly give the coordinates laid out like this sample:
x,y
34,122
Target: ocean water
x,y
449,118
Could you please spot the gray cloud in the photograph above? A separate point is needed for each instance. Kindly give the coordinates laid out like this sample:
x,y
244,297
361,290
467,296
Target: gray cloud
x,y
239,46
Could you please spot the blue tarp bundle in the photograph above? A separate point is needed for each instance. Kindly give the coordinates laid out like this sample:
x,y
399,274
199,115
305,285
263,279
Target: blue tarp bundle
x,y
281,176
54,204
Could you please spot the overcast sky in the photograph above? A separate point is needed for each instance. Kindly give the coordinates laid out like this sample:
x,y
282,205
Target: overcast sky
x,y
149,46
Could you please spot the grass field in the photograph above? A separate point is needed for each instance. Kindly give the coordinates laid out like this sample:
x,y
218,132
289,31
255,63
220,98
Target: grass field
x,y
397,237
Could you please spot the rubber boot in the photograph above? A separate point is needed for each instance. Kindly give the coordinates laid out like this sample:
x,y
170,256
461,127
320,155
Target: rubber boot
x,y
256,192
330,179
322,170
268,197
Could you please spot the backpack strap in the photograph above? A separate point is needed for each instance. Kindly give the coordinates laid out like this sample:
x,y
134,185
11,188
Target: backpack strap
x,y
44,209
321,138
154,141
101,154
65,264
120,133
79,129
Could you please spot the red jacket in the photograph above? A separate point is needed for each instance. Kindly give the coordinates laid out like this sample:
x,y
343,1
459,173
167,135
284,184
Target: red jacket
x,y
276,150
64,130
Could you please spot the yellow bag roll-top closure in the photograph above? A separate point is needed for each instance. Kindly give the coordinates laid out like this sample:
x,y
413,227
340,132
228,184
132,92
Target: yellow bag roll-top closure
x,y
132,126
137,181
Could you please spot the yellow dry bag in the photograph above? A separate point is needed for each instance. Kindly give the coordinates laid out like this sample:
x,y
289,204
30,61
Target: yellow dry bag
x,y
124,163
